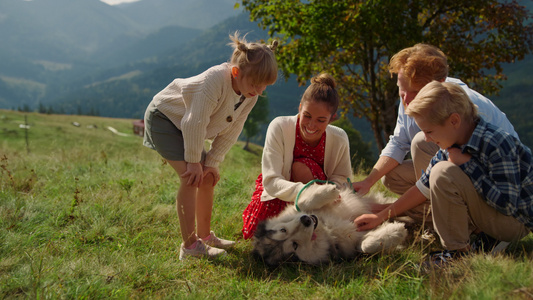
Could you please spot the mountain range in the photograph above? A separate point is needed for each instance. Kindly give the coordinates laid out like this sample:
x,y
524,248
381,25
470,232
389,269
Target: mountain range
x,y
87,57
57,49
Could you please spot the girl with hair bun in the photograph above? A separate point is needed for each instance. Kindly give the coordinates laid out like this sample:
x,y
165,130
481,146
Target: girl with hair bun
x,y
212,105
299,149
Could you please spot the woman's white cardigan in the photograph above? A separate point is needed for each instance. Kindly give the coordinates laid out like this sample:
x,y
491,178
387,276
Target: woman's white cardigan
x,y
277,159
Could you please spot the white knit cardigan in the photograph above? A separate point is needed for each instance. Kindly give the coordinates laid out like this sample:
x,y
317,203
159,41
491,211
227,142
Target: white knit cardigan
x,y
202,107
277,159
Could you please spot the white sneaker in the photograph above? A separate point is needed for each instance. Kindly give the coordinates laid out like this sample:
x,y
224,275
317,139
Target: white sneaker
x,y
214,241
201,250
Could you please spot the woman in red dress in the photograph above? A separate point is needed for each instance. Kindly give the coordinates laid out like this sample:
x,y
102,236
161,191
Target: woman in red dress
x,y
297,150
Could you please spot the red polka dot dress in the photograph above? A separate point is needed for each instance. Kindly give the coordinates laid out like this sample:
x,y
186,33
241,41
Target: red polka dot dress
x,y
257,210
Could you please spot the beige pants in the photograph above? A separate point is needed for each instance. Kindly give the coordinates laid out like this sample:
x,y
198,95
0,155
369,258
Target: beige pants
x,y
458,209
405,175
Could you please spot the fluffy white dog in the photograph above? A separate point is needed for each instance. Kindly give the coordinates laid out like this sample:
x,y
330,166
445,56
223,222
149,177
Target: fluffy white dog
x,y
323,229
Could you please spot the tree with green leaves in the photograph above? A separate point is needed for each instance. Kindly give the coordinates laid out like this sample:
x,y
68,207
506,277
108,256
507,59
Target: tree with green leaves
x,y
360,151
257,117
353,40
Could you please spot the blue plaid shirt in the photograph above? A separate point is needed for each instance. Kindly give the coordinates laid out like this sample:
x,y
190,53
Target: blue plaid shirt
x,y
500,169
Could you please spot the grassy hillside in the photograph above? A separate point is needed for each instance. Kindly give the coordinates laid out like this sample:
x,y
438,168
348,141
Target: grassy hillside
x,y
86,213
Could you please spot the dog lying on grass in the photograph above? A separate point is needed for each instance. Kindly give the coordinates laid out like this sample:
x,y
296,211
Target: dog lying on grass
x,y
324,230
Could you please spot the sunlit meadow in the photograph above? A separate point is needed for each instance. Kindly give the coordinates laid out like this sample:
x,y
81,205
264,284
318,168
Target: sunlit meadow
x,y
87,213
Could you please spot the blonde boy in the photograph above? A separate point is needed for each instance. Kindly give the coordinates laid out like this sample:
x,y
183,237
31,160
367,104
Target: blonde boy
x,y
481,179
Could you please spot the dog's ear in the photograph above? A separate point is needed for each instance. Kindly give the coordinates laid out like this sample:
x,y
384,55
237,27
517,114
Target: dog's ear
x,y
261,230
265,257
263,247
267,251
276,256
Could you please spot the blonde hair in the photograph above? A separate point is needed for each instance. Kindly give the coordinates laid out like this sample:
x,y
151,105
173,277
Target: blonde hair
x,y
421,64
254,60
438,100
322,89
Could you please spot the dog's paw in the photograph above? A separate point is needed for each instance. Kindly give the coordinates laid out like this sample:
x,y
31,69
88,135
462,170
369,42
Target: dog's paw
x,y
317,195
386,237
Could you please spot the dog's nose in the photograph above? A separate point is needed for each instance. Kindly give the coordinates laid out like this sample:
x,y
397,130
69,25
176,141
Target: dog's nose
x,y
306,220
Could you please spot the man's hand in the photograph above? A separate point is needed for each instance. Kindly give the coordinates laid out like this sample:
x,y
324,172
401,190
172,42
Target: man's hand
x,y
361,187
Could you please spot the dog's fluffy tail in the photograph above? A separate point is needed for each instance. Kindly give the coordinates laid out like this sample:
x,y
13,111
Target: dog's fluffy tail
x,y
386,237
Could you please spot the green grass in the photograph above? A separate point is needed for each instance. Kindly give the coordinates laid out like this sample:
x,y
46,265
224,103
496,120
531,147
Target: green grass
x,y
85,213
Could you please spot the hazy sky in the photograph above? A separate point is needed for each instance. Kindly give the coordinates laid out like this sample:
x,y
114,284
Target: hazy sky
x,y
114,2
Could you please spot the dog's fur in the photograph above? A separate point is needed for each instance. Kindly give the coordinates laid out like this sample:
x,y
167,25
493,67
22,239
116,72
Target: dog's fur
x,y
324,228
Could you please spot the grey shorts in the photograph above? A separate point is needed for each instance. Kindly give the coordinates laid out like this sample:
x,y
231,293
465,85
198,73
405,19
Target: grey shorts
x,y
163,136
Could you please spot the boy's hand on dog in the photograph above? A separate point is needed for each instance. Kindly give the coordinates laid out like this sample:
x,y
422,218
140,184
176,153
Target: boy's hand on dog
x,y
377,207
367,222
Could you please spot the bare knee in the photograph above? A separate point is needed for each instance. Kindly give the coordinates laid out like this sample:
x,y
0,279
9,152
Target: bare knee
x,y
208,180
